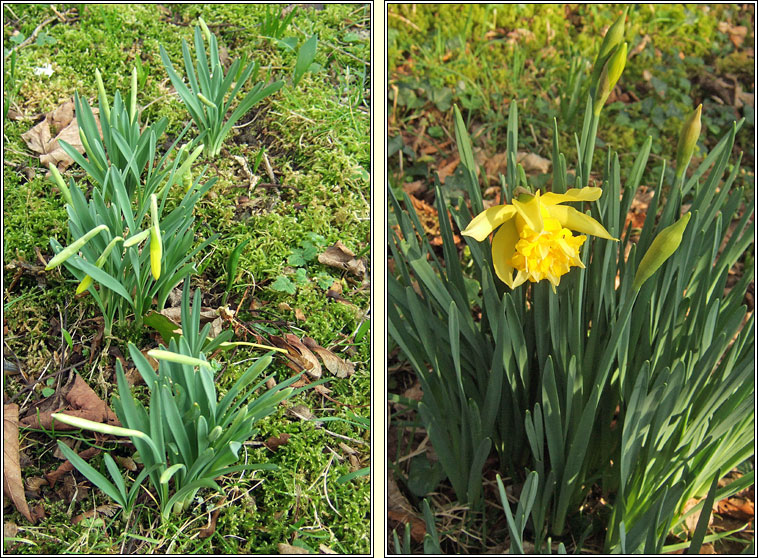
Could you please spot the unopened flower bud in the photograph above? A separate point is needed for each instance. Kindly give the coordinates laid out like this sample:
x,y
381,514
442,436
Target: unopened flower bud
x,y
687,140
608,77
612,39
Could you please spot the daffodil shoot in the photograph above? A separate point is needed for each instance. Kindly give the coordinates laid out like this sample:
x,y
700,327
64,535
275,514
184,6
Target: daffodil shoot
x,y
534,236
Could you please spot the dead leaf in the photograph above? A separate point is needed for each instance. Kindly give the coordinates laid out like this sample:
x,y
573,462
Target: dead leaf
x,y
274,442
61,120
207,531
736,33
400,518
533,163
323,549
299,315
337,366
126,462
300,357
448,169
301,412
347,449
67,467
289,549
13,486
342,257
84,403
106,509
34,484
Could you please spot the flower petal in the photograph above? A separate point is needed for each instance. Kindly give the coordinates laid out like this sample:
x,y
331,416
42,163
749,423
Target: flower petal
x,y
530,212
503,248
488,220
578,221
590,193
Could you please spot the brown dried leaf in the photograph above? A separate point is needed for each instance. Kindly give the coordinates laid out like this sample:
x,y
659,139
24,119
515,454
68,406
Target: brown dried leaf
x,y
207,531
323,549
39,139
337,366
289,549
342,257
299,315
274,442
84,403
34,484
301,412
67,467
13,486
126,462
106,509
300,357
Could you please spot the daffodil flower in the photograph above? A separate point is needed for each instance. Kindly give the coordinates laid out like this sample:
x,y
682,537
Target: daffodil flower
x,y
534,237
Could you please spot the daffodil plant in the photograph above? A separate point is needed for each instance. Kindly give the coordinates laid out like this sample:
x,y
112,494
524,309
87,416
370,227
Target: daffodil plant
x,y
124,258
208,97
575,346
187,437
116,141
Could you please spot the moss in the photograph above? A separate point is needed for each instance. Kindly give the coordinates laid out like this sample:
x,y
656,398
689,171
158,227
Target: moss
x,y
316,138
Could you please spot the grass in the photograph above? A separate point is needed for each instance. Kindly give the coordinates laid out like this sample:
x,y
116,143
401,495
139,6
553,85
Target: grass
x,y
316,139
483,56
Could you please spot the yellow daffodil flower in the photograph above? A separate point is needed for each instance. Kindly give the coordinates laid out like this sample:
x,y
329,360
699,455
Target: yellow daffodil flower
x,y
534,237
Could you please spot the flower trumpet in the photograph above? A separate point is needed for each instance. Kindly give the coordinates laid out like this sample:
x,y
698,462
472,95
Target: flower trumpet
x,y
534,237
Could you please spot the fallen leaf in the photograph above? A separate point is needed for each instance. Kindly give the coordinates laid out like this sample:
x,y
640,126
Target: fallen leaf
x,y
207,531
299,315
400,518
274,442
106,509
39,138
323,549
84,403
736,33
299,356
337,366
13,486
342,257
67,467
34,484
289,549
347,449
126,462
301,412
533,163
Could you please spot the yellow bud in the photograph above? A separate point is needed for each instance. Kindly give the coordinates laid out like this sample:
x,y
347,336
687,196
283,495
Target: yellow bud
x,y
133,101
687,140
84,285
608,77
156,251
661,249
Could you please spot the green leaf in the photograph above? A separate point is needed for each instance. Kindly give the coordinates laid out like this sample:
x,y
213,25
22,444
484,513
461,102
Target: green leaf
x,y
284,284
305,57
92,475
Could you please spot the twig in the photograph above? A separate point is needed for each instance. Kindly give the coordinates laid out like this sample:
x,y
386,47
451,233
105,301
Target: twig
x,y
354,440
404,20
269,170
34,34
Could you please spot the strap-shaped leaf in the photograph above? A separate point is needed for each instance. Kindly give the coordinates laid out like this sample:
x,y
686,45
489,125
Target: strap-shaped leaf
x,y
94,476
